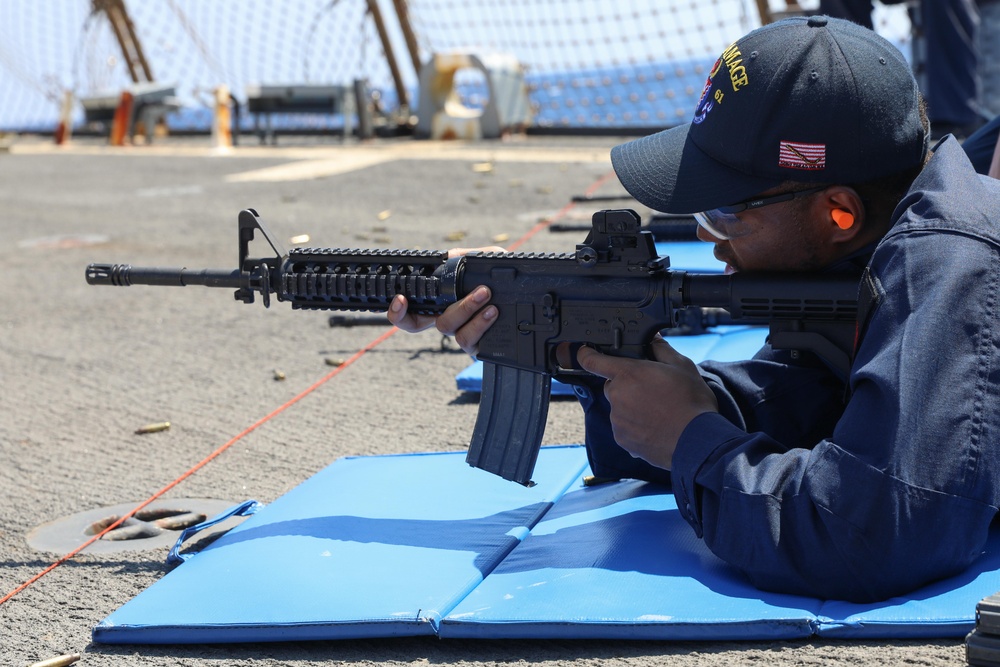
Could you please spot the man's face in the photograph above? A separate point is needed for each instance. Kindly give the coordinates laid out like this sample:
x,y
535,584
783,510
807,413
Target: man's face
x,y
784,236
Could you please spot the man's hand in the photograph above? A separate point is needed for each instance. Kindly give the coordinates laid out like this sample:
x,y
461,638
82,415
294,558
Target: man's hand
x,y
651,401
467,319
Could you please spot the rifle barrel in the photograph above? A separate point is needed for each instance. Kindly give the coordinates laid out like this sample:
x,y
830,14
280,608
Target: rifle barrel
x,y
123,275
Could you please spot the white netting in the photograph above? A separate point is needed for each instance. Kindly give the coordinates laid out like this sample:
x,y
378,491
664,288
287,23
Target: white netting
x,y
589,63
49,46
595,63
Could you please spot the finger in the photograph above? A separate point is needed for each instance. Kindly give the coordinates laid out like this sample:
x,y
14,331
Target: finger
x,y
663,351
594,362
399,316
458,314
469,335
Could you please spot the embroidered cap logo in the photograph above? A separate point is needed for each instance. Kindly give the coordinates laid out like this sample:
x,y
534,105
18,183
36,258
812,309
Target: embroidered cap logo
x,y
796,155
732,58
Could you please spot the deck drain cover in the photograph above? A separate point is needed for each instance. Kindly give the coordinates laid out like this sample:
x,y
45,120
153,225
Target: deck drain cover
x,y
156,525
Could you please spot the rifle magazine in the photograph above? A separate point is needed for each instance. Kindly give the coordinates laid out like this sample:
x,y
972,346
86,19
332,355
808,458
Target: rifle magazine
x,y
513,407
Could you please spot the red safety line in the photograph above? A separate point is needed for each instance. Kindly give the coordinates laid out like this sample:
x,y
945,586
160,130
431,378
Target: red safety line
x,y
263,420
201,464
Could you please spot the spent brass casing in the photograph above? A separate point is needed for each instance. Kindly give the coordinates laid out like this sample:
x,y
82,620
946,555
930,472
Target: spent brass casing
x,y
59,661
153,428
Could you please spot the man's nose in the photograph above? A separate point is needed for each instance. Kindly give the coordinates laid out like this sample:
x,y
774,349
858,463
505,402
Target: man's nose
x,y
704,235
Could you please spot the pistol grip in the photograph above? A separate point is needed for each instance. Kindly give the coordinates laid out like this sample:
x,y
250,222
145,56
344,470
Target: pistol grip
x,y
513,407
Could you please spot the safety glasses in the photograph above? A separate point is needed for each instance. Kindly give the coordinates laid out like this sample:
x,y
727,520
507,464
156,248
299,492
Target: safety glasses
x,y
723,223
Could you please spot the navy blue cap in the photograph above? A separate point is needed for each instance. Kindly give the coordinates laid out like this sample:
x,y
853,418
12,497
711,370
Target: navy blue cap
x,y
808,99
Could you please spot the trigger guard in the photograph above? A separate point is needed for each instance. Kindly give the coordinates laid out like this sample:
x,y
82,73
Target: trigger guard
x,y
575,374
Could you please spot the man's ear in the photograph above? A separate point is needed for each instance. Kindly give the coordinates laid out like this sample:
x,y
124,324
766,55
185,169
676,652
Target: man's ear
x,y
844,213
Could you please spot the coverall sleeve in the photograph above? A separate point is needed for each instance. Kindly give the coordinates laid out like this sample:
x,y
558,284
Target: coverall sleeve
x,y
904,488
796,400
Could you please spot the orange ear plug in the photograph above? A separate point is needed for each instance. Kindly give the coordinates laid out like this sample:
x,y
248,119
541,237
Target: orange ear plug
x,y
844,219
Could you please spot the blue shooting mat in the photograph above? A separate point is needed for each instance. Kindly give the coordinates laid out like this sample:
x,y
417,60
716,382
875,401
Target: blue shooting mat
x,y
422,544
723,343
617,561
367,547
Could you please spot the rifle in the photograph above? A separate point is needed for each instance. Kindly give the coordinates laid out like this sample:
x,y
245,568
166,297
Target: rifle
x,y
613,293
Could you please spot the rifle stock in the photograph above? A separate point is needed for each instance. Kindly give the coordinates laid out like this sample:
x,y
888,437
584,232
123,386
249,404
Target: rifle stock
x,y
613,293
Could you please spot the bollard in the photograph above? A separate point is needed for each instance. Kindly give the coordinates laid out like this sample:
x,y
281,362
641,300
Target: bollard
x,y
222,133
64,130
121,126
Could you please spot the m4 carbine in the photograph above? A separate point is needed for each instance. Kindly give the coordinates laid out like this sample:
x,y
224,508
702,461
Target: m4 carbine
x,y
613,293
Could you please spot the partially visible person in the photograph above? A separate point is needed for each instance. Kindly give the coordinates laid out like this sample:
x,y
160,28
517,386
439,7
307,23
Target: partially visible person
x,y
858,11
951,82
809,152
950,60
981,146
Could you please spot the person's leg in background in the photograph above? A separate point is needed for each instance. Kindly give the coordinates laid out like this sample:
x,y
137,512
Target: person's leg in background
x,y
950,81
859,11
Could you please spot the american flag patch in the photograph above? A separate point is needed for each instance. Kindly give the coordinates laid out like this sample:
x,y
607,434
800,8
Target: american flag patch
x,y
796,155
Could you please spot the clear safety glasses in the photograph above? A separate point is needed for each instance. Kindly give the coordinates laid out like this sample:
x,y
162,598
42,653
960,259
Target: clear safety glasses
x,y
723,224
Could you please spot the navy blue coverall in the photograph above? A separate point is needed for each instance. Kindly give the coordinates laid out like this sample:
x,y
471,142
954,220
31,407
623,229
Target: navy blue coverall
x,y
872,490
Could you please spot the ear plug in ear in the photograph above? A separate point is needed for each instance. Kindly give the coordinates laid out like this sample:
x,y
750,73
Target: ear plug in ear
x,y
844,219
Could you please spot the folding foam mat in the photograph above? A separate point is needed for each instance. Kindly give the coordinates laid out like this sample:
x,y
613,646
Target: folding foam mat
x,y
371,546
423,544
